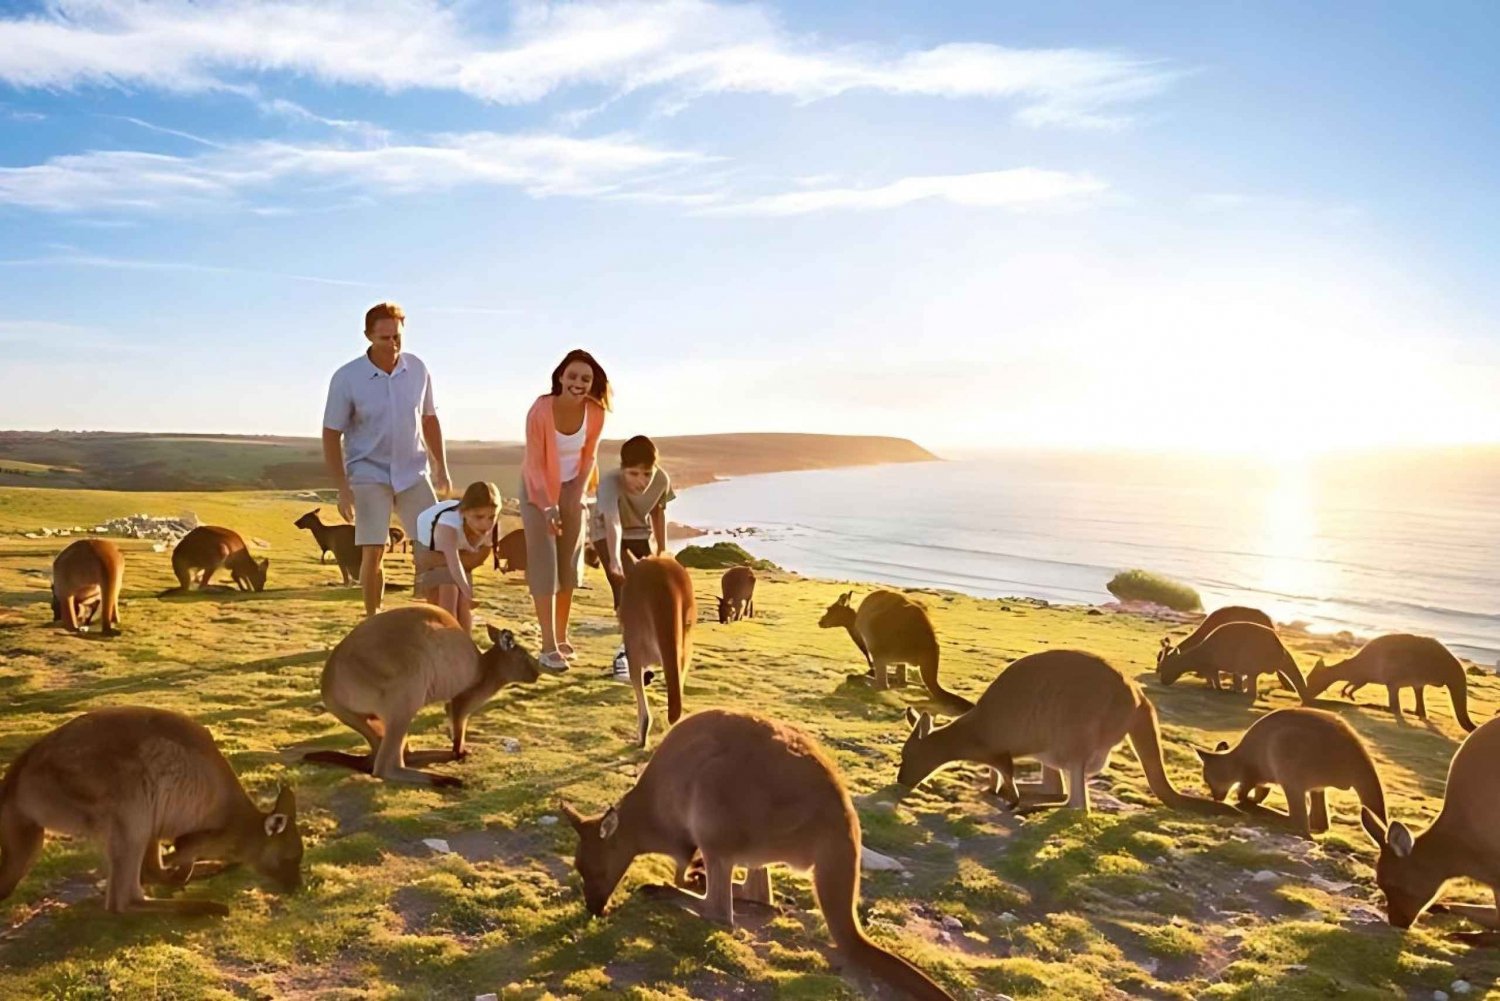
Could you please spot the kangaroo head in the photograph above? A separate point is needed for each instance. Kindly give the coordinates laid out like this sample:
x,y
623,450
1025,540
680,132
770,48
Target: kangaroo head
x,y
56,605
1170,666
916,763
1407,885
308,520
1319,678
724,610
840,613
257,574
602,856
1219,771
274,849
507,658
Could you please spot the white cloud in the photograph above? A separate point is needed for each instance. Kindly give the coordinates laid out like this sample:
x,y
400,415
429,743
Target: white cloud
x,y
686,47
142,264
539,164
1020,188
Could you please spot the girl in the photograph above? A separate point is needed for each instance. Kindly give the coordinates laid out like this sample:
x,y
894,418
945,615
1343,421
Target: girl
x,y
454,537
562,442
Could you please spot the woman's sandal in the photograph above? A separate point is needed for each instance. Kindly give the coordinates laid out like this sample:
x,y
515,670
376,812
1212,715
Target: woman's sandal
x,y
565,648
553,661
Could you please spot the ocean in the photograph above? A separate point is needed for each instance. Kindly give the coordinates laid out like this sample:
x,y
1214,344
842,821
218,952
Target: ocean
x,y
1370,544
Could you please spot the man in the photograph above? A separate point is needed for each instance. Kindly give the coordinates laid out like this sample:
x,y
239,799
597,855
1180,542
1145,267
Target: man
x,y
379,429
631,508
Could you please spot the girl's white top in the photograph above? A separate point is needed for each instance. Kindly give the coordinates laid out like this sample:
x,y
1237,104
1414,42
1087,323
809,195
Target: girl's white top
x,y
449,517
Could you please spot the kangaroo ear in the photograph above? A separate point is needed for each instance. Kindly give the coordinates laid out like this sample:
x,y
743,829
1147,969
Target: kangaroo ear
x,y
286,801
503,639
646,678
1221,746
1204,754
276,823
1399,838
573,816
492,633
610,824
264,564
1318,664
911,716
924,724
1373,825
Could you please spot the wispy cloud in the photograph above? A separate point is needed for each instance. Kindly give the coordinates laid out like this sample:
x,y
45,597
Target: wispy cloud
x,y
1018,189
684,48
140,264
162,130
541,165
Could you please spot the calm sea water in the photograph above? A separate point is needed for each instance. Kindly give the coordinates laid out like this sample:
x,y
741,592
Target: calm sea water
x,y
1367,544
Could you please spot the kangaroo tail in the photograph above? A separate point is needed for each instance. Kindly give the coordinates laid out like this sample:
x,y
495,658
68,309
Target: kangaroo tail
x,y
1372,793
109,598
1145,740
929,666
836,880
1458,690
359,762
673,645
1291,676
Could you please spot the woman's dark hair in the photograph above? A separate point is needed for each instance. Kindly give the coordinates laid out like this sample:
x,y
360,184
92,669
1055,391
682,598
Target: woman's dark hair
x,y
638,451
599,392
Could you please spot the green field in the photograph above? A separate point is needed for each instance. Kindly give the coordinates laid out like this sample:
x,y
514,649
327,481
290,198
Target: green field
x,y
1134,901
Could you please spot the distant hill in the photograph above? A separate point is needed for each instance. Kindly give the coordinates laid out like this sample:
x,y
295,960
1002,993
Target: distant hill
x,y
102,460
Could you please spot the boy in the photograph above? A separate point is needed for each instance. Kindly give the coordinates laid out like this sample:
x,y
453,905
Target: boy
x,y
631,508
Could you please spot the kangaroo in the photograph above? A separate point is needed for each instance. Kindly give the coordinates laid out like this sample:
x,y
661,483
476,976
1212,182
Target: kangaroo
x,y
398,538
657,612
737,590
131,777
86,577
1399,661
1215,619
742,790
207,548
1464,840
511,551
891,629
1243,650
391,665
336,539
1305,751
1066,708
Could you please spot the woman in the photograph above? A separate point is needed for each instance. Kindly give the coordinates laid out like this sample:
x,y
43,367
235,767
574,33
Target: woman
x,y
562,442
454,537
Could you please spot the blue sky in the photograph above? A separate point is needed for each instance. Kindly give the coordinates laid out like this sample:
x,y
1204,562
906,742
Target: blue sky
x,y
1252,226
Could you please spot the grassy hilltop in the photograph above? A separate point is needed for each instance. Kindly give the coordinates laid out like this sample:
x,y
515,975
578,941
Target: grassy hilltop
x,y
129,461
1136,901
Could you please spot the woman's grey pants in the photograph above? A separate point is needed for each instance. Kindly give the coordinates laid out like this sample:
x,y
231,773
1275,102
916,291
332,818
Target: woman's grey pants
x,y
553,563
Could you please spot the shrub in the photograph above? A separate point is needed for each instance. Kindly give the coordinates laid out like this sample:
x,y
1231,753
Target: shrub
x,y
1139,585
721,555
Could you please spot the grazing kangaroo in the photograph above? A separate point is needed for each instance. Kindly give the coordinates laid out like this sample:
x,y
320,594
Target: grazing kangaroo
x,y
207,548
742,790
1243,650
1399,661
335,539
1067,709
86,577
657,612
391,665
1305,751
398,538
1215,619
511,552
891,629
131,777
1464,840
737,594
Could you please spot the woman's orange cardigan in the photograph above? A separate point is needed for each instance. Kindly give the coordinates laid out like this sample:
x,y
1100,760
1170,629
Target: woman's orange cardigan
x,y
540,468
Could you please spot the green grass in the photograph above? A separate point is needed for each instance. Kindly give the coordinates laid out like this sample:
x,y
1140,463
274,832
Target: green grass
x,y
1134,901
1141,585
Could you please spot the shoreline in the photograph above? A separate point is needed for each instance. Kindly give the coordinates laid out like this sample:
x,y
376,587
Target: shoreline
x,y
1337,636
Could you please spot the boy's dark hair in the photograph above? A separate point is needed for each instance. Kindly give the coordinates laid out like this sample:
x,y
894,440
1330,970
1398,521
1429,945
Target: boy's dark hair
x,y
638,451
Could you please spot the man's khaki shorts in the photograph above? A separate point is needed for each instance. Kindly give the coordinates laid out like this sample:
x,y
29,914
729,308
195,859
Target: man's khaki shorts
x,y
374,503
